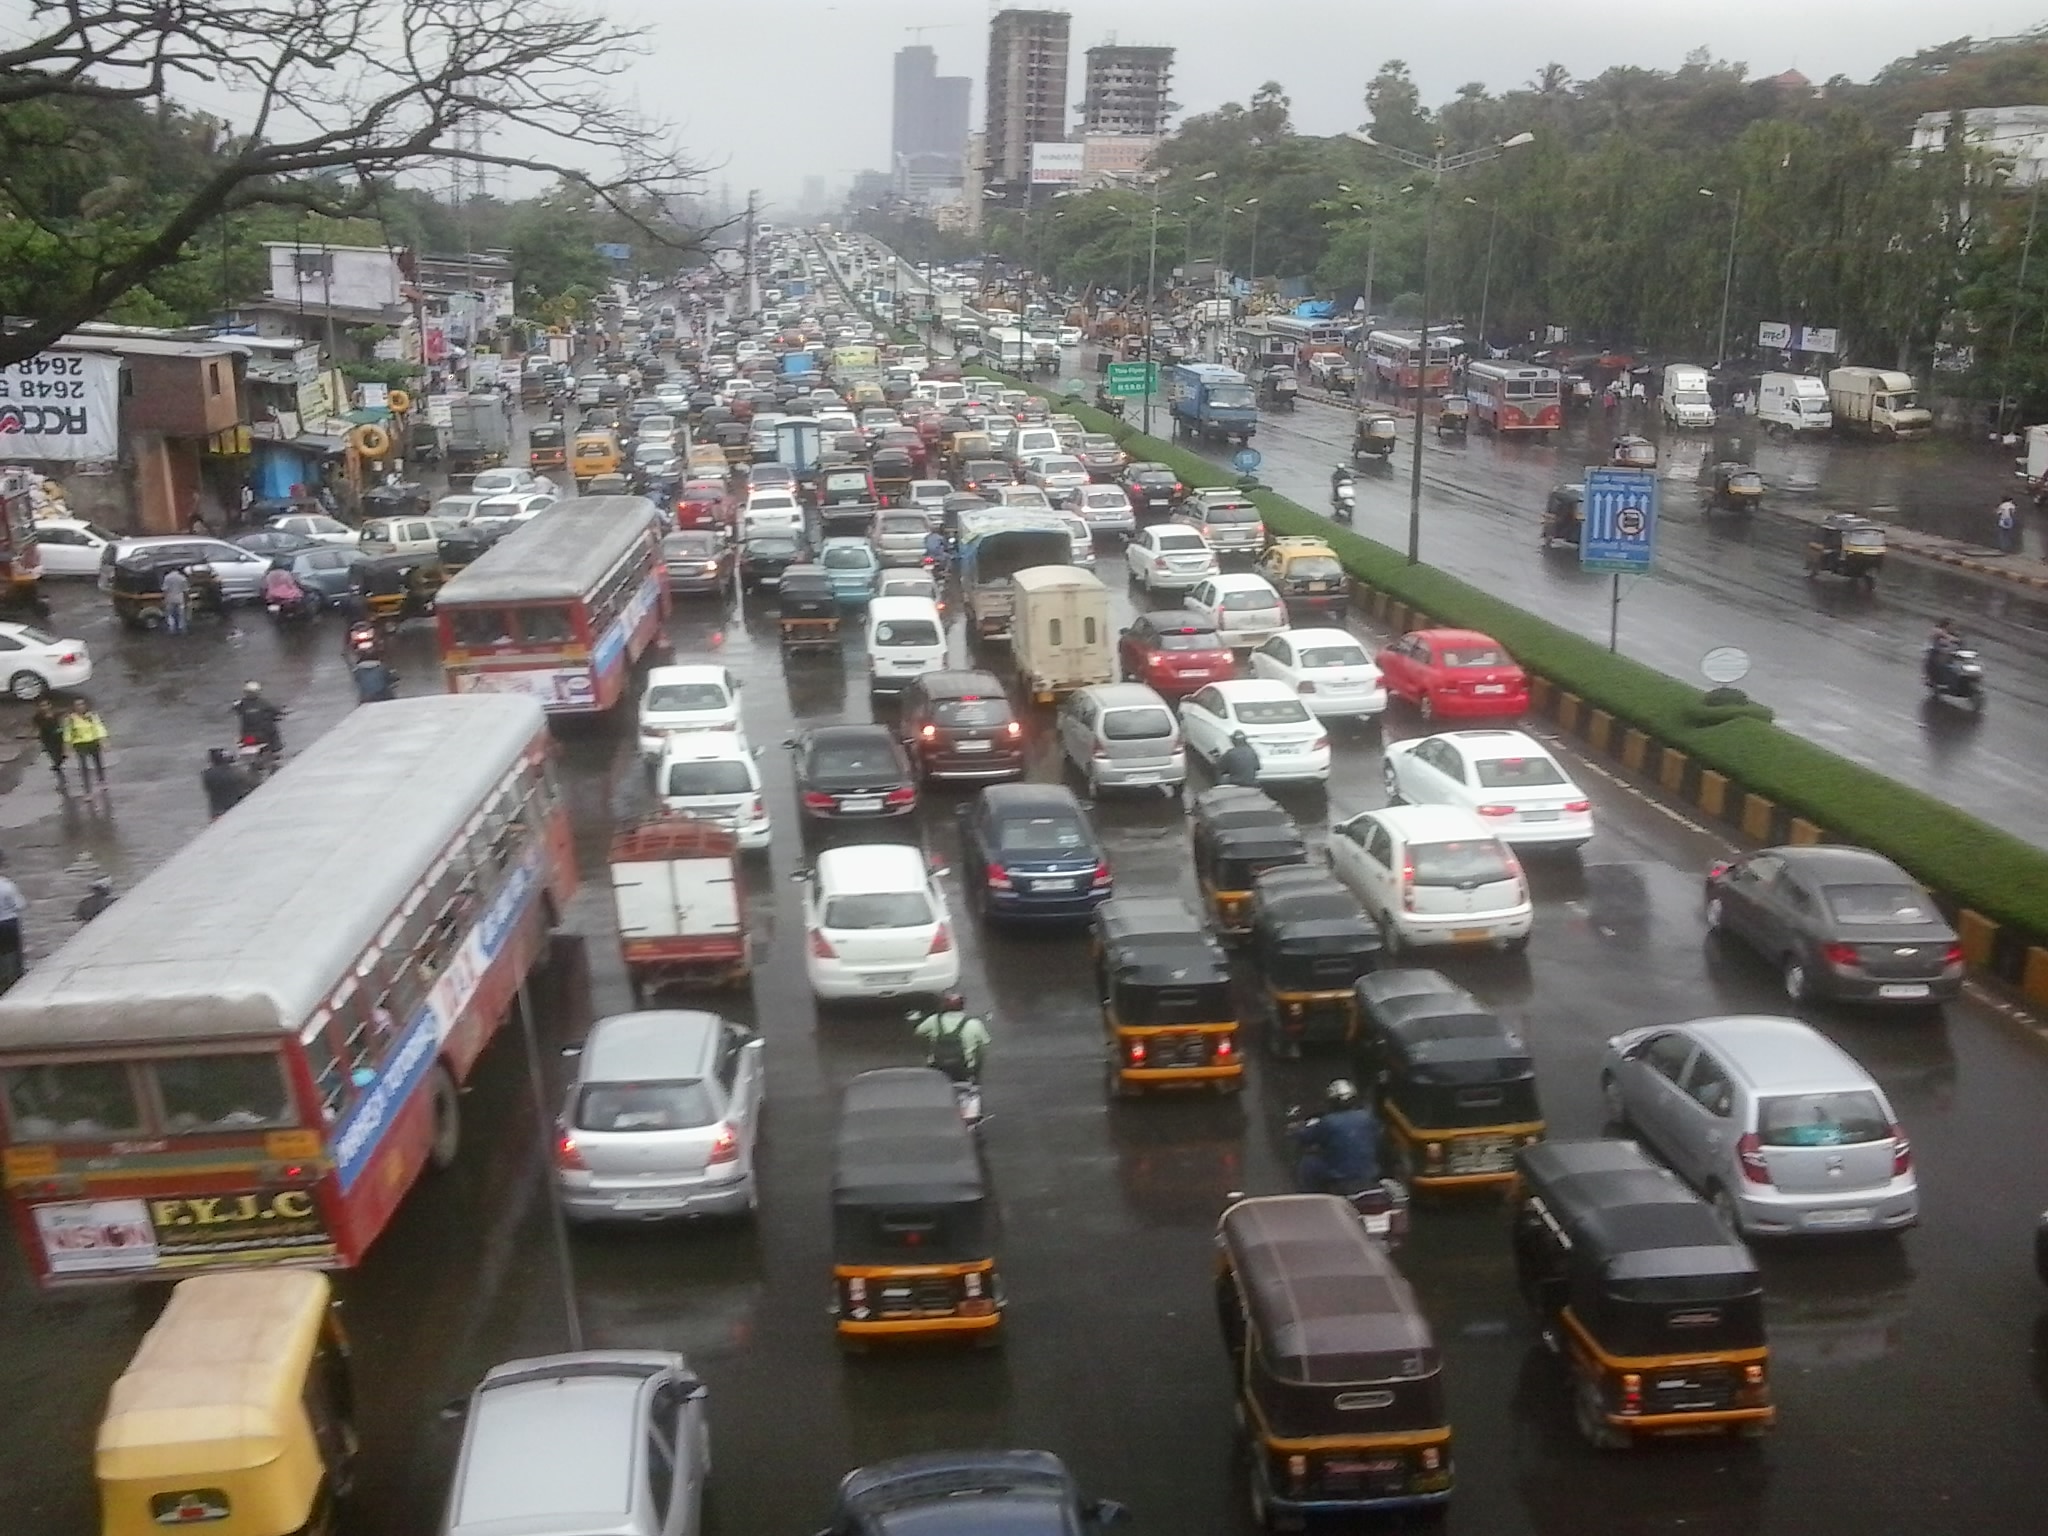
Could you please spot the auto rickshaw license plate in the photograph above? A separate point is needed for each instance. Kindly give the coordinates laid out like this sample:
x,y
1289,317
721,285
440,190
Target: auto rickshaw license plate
x,y
1379,1467
1319,586
1471,935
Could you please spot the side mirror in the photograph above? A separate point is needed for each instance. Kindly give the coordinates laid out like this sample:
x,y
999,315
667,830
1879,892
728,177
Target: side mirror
x,y
799,876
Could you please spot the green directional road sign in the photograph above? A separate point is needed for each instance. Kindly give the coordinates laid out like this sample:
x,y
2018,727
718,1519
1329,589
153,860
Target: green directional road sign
x,y
1133,378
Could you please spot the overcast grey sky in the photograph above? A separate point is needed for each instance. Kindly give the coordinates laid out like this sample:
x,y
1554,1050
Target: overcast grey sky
x,y
782,89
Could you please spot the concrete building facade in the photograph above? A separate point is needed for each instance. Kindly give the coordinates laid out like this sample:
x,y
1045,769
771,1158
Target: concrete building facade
x,y
1126,92
1026,93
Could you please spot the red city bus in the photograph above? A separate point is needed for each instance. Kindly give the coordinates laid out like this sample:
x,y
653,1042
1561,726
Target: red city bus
x,y
250,1058
1393,359
1515,397
560,609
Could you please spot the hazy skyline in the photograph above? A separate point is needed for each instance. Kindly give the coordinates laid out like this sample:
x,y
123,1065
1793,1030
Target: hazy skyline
x,y
768,98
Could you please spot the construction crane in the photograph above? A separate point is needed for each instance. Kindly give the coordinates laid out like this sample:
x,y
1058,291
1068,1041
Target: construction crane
x,y
917,33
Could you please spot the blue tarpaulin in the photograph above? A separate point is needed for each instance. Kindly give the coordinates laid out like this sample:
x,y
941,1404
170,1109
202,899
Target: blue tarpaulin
x,y
1315,309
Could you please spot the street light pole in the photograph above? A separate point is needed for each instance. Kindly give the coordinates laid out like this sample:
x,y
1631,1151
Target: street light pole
x,y
1252,267
1486,282
1437,165
1151,288
1727,276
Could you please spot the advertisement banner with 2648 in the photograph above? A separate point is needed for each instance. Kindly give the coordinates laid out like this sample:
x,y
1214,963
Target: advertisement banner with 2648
x,y
61,405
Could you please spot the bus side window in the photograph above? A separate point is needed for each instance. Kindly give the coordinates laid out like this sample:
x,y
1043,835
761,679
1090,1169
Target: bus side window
x,y
324,1063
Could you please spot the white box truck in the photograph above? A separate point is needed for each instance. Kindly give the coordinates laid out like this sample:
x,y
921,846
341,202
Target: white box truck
x,y
1795,403
1877,402
1059,631
1685,402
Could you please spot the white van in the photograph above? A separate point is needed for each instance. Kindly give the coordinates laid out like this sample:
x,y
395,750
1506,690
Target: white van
x,y
1795,403
1030,442
1059,630
906,639
1685,402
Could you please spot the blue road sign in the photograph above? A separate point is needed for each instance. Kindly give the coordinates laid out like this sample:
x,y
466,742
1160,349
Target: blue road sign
x,y
1619,531
1245,460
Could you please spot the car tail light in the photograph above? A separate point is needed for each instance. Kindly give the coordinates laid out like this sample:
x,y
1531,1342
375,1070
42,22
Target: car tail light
x,y
726,1148
1013,729
907,795
821,947
1578,807
997,877
1407,885
1750,1152
754,809
942,941
1178,488
1841,954
1495,810
1102,875
67,658
1320,744
1100,750
1137,1053
930,733
1954,955
817,800
1902,1154
1225,1047
567,1155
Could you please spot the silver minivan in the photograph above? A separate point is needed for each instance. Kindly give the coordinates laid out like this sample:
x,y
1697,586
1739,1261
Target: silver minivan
x,y
1120,735
607,1442
1768,1118
662,1119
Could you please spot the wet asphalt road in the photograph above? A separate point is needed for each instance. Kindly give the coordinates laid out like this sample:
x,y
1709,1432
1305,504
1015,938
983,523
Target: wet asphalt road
x,y
1910,1375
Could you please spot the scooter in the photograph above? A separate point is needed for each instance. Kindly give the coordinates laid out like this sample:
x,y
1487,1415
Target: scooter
x,y
1343,500
293,610
1957,674
1382,1205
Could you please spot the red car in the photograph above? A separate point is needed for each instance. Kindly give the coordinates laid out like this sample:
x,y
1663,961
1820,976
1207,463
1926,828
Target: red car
x,y
1174,653
1454,672
703,505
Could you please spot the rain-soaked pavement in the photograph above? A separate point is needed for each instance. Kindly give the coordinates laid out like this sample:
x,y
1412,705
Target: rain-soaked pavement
x,y
1911,1374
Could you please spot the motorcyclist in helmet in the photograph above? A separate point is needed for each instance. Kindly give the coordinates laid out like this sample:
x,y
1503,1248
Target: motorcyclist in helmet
x,y
956,1042
1941,646
1339,1147
1239,763
258,717
1340,477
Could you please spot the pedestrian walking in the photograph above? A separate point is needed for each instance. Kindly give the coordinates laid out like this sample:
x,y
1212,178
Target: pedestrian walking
x,y
12,907
85,733
177,601
49,724
2008,527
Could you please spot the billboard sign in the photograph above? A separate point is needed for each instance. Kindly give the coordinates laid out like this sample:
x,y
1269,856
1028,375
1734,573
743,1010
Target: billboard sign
x,y
1774,333
1619,530
1816,338
61,405
1057,164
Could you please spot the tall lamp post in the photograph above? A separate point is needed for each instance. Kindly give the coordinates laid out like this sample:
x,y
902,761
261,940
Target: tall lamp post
x,y
1486,282
1151,291
1727,273
1437,165
1251,269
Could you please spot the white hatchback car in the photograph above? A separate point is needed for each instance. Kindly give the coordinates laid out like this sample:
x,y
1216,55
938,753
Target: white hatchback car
x,y
1244,608
1290,741
71,546
679,700
1433,875
876,924
1169,557
712,775
490,482
1516,787
32,662
509,508
1327,668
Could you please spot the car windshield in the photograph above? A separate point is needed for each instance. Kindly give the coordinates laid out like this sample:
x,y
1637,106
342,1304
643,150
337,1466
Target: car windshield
x,y
717,776
848,557
1147,723
1041,834
1517,772
881,909
1230,396
1249,600
906,632
644,1107
1229,512
1313,656
1462,863
1877,903
1315,568
1052,466
971,711
677,698
1822,1119
1470,656
870,758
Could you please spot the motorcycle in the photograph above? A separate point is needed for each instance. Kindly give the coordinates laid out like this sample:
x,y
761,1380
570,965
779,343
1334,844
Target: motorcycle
x,y
1957,673
1382,1205
292,608
364,643
1343,500
256,757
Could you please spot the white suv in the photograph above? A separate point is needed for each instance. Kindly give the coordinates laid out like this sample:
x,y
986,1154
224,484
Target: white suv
x,y
712,774
876,924
1433,875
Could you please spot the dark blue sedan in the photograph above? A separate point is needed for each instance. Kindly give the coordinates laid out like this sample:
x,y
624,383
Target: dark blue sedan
x,y
1030,851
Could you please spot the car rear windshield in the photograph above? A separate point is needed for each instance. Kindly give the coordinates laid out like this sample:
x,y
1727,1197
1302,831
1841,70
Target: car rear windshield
x,y
882,909
667,698
870,758
1230,512
1471,656
900,523
1517,772
1271,712
1461,863
1332,656
906,632
1315,568
689,544
1249,599
1189,640
1051,466
1181,543
1147,723
848,557
1877,903
1099,442
644,1107
719,776
1041,834
1822,1119
964,712
769,546
843,481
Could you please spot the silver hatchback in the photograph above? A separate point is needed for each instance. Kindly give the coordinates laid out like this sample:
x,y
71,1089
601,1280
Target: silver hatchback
x,y
1120,735
1769,1119
662,1119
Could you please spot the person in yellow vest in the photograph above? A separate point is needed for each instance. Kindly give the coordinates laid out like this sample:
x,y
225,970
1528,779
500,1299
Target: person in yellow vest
x,y
85,733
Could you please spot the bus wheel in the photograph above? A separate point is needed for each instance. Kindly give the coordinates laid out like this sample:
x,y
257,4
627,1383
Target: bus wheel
x,y
447,1112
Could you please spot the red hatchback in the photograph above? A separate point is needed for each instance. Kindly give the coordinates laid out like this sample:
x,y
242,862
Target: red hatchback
x,y
1454,673
1174,653
703,505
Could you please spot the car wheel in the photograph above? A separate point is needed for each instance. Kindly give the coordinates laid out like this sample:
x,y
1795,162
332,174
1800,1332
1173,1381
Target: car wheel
x,y
1393,783
1798,988
1716,915
27,686
1617,1106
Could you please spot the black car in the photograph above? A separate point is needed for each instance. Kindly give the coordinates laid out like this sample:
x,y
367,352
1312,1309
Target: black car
x,y
1029,850
969,1493
1152,488
327,569
852,773
961,725
766,555
979,476
697,560
1837,922
761,476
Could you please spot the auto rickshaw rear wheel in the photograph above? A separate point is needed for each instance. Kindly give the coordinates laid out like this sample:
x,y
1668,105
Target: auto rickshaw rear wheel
x,y
1591,1419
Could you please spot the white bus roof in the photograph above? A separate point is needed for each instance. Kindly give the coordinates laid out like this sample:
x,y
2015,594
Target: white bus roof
x,y
559,555
247,928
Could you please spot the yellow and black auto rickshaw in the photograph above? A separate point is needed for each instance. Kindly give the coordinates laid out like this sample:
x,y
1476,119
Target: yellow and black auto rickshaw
x,y
1564,513
1846,545
913,1221
1310,942
1654,1306
1453,417
1166,1003
1236,833
236,1414
546,447
1735,488
736,440
808,616
398,587
1373,437
1456,1087
1310,579
1633,453
1339,1382
134,584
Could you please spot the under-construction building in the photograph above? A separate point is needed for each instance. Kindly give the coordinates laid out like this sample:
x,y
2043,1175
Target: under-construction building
x,y
1127,91
1027,92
